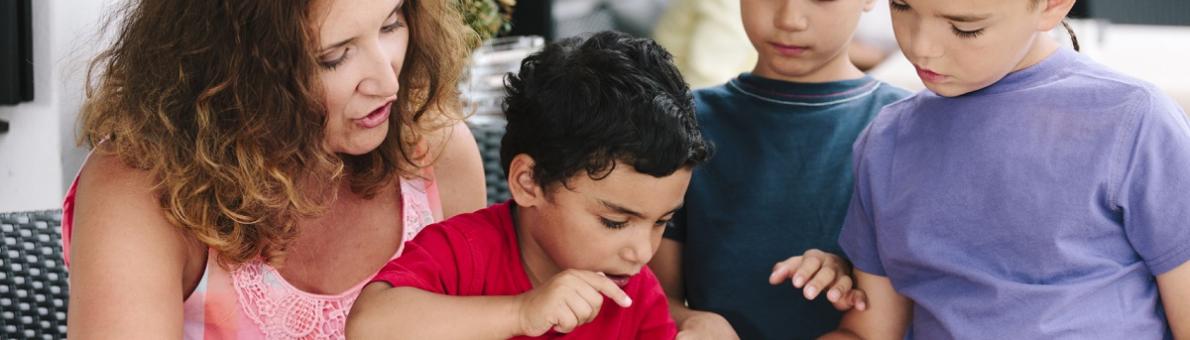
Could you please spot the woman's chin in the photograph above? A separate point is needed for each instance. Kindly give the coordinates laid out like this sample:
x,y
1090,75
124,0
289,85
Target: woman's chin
x,y
358,146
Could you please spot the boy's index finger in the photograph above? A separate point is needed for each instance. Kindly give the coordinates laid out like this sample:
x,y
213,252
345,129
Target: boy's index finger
x,y
605,286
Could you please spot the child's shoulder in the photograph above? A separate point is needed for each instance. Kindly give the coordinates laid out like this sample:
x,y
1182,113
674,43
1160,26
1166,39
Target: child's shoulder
x,y
711,93
1102,88
889,93
488,224
713,101
899,102
1088,75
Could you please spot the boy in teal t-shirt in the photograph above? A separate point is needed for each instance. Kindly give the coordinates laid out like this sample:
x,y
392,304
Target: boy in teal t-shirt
x,y
768,207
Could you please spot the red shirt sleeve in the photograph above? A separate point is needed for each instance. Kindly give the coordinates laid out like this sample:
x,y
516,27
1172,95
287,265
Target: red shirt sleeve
x,y
433,261
655,321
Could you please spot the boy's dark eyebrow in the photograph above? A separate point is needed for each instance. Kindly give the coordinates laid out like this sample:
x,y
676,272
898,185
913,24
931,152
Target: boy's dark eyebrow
x,y
624,210
348,40
965,17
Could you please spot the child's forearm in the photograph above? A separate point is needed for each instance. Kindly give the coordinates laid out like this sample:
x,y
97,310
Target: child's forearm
x,y
409,313
708,324
840,334
680,312
1174,287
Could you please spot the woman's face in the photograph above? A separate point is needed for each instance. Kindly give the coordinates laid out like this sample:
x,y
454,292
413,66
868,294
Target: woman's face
x,y
361,48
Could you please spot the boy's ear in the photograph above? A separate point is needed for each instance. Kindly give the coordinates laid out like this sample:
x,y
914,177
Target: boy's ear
x,y
1054,12
524,190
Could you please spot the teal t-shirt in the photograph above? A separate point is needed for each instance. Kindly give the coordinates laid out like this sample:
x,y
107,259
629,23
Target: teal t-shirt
x,y
779,184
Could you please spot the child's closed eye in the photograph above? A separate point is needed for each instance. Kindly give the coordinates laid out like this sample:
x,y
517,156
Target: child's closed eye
x,y
966,34
612,224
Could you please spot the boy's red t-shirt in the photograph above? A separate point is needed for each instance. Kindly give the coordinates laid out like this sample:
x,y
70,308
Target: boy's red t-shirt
x,y
477,254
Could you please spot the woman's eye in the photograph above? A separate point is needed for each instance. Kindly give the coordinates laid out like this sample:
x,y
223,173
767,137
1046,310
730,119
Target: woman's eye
x,y
333,61
393,23
392,27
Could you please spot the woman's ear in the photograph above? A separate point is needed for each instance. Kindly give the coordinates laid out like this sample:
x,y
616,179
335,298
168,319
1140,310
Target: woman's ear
x,y
1054,12
521,185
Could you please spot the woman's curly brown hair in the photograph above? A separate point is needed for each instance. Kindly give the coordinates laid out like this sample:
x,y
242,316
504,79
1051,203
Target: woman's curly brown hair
x,y
219,102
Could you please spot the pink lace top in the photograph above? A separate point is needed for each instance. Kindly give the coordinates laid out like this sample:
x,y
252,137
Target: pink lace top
x,y
255,302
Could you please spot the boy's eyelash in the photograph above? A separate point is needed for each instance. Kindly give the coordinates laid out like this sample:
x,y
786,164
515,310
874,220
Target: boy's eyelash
x,y
613,224
966,34
898,6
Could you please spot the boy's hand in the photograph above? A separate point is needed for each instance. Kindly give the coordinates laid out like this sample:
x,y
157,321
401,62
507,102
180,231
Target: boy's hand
x,y
816,271
706,325
568,300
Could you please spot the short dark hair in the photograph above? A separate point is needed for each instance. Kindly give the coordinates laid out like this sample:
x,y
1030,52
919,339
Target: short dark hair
x,y
583,103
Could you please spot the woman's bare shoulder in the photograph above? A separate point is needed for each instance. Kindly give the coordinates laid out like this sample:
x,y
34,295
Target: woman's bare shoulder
x,y
128,263
458,170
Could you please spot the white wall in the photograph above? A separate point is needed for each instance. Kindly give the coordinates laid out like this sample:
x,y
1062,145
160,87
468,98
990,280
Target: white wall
x,y
38,157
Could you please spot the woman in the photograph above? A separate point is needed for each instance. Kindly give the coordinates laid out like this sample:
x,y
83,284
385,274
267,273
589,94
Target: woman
x,y
256,162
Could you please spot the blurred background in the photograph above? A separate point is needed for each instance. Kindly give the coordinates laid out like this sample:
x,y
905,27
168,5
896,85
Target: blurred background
x,y
45,46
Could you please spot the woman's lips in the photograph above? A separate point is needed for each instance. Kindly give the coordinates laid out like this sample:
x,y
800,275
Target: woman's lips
x,y
375,118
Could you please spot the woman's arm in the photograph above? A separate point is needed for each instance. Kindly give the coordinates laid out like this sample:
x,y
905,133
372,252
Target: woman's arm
x,y
887,316
130,269
1174,286
458,171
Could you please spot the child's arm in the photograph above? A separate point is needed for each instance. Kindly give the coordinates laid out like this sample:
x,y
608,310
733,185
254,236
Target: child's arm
x,y
405,312
570,299
667,265
817,271
887,315
1174,286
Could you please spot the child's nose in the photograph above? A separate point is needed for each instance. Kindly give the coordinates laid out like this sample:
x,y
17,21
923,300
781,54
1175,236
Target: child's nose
x,y
922,45
790,17
639,251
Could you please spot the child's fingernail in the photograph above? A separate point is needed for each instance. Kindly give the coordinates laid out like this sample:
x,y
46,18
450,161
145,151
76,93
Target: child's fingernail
x,y
810,292
627,301
798,280
832,295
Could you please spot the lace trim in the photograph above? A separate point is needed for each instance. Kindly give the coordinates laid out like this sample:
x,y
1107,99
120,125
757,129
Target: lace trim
x,y
282,311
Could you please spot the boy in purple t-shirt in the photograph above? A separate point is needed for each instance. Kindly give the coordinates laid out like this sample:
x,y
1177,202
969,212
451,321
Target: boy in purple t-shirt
x,y
1030,194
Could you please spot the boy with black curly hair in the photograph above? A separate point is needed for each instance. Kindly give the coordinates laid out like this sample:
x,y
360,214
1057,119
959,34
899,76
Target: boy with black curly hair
x,y
601,141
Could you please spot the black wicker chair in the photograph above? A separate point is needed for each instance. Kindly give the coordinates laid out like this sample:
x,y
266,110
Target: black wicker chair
x,y
34,286
488,132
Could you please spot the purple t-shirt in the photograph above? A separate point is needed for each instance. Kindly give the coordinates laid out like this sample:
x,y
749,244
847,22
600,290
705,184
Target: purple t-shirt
x,y
1040,207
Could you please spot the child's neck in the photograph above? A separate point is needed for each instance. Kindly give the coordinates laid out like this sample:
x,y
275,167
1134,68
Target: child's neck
x,y
538,265
837,69
1042,48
